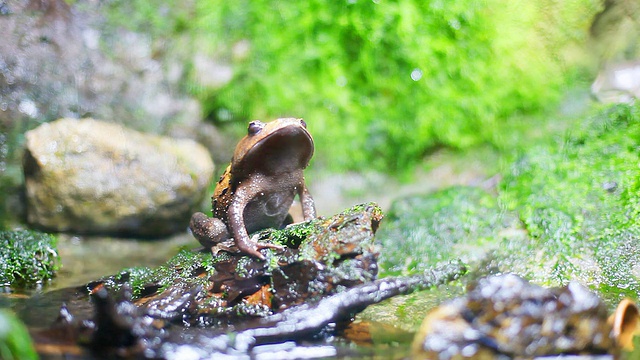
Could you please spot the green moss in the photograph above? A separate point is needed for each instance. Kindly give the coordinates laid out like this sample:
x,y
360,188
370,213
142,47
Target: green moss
x,y
565,210
422,231
27,258
292,235
579,201
15,342
392,80
183,267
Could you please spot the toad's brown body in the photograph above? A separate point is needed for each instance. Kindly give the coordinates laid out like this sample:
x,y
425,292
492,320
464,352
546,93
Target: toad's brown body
x,y
258,187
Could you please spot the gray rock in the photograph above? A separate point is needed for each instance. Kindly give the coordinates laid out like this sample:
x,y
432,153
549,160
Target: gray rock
x,y
618,83
61,60
93,177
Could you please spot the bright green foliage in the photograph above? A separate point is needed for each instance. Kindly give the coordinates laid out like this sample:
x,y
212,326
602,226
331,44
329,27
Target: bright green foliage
x,y
15,342
579,201
381,82
27,258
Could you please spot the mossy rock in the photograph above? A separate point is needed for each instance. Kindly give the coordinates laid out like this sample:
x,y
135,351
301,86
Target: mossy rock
x,y
563,211
321,257
460,222
579,200
423,230
27,258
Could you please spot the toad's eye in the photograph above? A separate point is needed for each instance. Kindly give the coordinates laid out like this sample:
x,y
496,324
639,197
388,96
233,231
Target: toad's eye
x,y
303,123
255,127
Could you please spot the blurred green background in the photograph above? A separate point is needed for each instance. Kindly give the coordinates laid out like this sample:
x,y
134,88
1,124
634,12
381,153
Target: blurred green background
x,y
381,83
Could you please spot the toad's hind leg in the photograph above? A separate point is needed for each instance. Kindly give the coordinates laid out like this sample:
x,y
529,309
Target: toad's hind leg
x,y
207,230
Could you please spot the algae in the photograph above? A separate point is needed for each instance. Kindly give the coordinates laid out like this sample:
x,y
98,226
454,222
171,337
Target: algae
x,y
578,200
459,222
27,258
182,267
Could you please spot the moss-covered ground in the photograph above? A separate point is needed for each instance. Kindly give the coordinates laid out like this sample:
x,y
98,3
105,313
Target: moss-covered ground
x,y
565,209
578,201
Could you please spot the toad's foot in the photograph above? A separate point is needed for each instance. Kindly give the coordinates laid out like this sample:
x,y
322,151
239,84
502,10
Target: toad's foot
x,y
251,247
227,245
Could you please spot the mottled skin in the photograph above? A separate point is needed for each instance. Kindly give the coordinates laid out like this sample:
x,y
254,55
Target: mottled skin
x,y
258,187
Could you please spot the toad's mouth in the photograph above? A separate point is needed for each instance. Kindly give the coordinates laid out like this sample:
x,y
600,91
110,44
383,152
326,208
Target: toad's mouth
x,y
288,149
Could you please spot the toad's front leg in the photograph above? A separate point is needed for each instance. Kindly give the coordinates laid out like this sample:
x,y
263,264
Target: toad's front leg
x,y
235,216
308,205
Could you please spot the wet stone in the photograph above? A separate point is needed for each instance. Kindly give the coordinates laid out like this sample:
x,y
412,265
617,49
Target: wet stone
x,y
505,316
93,177
322,257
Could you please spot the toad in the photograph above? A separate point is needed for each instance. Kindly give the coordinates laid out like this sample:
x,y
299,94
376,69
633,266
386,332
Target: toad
x,y
259,185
